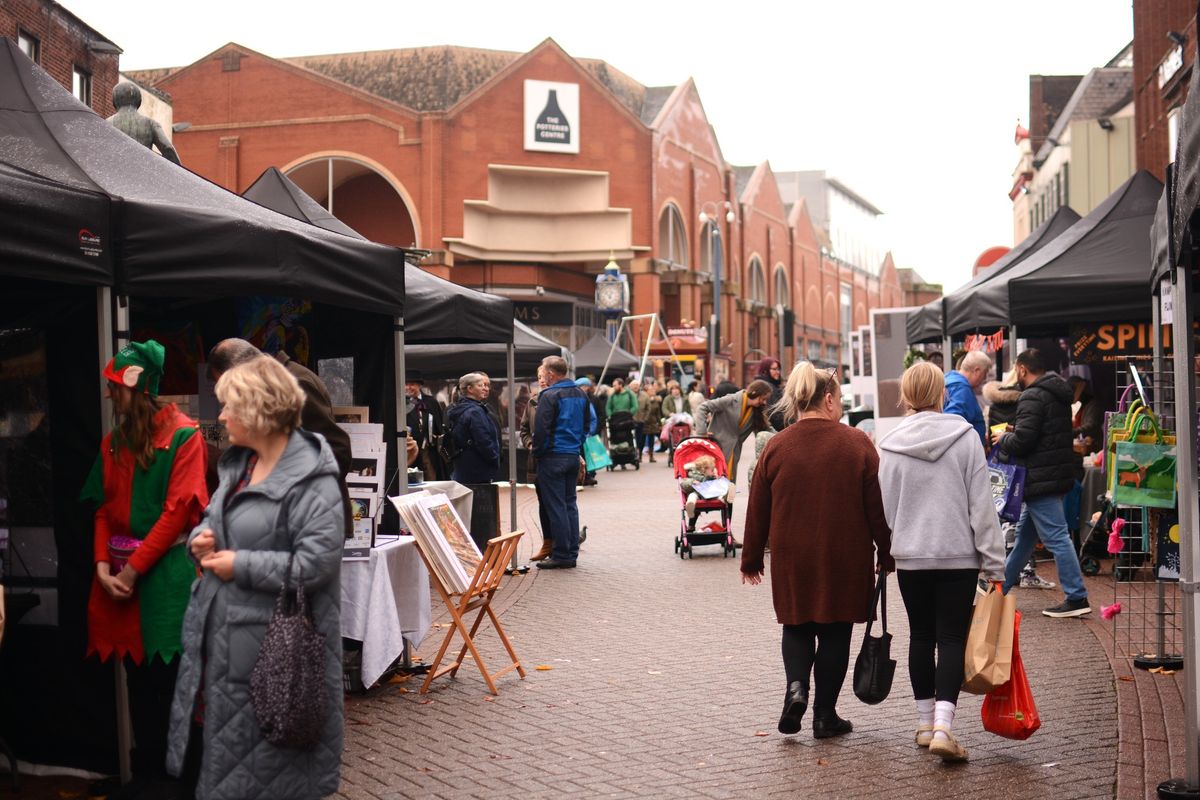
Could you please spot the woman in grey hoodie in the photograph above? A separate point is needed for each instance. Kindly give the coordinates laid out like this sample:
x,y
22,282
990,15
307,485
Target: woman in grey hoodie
x,y
938,502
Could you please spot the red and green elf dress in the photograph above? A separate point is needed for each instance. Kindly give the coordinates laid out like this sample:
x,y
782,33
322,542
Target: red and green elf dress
x,y
160,506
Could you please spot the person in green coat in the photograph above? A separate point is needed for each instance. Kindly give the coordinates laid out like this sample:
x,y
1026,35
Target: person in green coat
x,y
620,399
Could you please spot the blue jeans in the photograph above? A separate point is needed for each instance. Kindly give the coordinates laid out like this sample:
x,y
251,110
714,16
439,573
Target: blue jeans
x,y
556,484
1043,518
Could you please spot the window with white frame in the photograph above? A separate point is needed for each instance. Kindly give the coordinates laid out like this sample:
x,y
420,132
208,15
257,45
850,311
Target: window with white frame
x,y
783,295
29,45
814,350
672,238
758,282
710,246
831,352
81,85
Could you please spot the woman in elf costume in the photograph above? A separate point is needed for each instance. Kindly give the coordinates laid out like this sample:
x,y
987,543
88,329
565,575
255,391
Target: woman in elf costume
x,y
148,486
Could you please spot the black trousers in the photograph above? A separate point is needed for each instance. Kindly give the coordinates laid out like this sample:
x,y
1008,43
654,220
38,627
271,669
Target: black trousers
x,y
151,689
939,603
821,649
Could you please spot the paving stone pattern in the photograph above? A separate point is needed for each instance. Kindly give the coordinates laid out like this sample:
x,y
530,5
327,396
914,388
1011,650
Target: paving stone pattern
x,y
666,674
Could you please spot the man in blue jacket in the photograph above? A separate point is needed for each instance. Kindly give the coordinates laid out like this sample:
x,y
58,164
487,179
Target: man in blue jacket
x,y
961,384
565,418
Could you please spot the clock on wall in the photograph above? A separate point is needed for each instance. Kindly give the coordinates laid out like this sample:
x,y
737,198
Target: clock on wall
x,y
612,291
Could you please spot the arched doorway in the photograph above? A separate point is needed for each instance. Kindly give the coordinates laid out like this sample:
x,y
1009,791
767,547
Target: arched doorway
x,y
360,195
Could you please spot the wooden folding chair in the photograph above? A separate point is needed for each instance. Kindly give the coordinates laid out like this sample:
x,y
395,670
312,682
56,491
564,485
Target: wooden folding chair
x,y
477,596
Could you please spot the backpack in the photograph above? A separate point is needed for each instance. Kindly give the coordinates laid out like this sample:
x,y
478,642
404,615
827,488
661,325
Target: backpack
x,y
448,446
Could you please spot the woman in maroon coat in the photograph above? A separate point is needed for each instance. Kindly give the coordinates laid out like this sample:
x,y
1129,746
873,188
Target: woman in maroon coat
x,y
815,500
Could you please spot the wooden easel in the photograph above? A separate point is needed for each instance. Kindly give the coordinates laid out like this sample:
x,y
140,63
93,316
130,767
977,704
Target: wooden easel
x,y
477,596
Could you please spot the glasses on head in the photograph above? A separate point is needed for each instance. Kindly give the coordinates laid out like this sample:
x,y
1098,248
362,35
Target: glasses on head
x,y
831,382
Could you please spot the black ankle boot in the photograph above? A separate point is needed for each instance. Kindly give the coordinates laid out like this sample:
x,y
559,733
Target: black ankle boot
x,y
827,724
795,703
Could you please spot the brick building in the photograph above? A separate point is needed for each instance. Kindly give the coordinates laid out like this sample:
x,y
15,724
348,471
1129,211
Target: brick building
x,y
526,173
72,52
1164,48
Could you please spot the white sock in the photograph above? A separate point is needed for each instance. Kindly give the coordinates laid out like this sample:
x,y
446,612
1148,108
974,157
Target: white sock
x,y
925,711
943,717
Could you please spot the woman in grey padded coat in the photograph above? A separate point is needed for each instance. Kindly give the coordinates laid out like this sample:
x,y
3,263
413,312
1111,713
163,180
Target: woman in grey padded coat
x,y
278,495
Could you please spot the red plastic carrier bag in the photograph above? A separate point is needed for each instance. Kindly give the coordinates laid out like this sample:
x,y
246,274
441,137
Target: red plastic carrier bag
x,y
1009,710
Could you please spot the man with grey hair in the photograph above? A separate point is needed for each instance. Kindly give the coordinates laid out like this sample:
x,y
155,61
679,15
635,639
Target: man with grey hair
x,y
565,418
961,384
315,417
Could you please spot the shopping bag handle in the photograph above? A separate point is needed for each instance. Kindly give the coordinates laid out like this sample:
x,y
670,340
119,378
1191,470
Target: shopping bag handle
x,y
1158,434
1125,399
880,595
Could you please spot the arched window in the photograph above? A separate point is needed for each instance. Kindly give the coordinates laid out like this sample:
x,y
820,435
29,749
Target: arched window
x,y
672,238
710,247
783,294
758,282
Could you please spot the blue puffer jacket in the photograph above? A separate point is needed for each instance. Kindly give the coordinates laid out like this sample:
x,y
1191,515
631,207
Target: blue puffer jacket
x,y
960,400
565,418
478,439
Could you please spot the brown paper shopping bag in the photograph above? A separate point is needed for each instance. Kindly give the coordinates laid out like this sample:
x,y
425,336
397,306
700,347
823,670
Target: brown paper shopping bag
x,y
988,662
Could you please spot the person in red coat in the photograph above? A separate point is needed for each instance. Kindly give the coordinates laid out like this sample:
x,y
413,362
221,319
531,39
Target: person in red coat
x,y
815,500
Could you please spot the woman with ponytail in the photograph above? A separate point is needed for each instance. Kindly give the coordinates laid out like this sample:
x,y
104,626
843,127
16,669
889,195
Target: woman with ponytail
x,y
815,501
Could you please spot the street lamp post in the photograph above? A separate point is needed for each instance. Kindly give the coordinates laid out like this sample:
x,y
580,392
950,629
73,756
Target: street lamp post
x,y
715,256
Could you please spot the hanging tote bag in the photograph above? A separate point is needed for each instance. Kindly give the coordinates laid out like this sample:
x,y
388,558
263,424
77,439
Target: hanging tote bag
x,y
1008,488
1116,419
1144,471
874,668
1009,710
287,686
595,454
989,651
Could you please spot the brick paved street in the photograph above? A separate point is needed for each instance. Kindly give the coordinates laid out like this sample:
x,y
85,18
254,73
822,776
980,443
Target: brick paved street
x,y
666,673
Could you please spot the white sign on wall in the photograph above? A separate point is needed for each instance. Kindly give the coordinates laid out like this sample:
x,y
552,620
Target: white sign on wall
x,y
552,116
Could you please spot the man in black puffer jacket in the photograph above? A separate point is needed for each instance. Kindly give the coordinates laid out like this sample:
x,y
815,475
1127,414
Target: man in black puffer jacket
x,y
1041,439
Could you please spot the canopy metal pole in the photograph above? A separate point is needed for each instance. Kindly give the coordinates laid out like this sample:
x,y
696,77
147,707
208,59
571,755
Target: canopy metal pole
x,y
112,321
612,348
512,445
401,405
1189,508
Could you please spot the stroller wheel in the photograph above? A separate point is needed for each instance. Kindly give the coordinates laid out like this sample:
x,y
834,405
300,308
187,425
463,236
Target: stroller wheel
x,y
676,544
1089,566
637,465
690,554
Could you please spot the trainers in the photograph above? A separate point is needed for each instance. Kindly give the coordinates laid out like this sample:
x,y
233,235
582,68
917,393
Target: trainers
x,y
1069,608
1035,581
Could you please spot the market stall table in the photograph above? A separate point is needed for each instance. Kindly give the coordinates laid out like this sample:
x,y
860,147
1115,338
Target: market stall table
x,y
385,603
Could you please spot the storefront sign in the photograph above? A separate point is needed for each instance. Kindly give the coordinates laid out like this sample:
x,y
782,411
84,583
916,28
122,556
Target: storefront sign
x,y
552,117
1172,63
544,313
1092,344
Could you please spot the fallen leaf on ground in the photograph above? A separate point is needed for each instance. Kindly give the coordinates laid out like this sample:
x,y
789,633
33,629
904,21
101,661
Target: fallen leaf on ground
x,y
543,667
402,690
399,678
1125,678
489,699
424,702
761,733
822,762
498,757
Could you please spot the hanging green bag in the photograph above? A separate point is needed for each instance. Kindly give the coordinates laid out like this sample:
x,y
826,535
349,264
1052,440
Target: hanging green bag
x,y
1144,467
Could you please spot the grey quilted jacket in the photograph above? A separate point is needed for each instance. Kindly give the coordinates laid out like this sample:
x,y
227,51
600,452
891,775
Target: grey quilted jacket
x,y
298,508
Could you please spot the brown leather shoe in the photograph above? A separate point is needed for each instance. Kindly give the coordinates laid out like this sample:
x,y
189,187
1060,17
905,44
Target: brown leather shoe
x,y
547,546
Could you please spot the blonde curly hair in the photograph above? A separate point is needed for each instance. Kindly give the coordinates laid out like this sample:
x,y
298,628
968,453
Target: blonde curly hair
x,y
262,395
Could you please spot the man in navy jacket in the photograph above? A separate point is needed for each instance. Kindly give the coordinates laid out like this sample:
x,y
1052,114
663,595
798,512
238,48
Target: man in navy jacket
x,y
565,418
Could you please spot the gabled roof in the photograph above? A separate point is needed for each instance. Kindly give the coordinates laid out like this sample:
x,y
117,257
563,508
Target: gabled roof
x,y
743,176
437,78
1102,92
655,98
159,93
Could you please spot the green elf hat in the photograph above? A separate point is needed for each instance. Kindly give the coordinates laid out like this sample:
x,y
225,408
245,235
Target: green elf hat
x,y
138,366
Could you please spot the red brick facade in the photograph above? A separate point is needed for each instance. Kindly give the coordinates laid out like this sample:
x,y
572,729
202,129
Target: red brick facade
x,y
64,43
1152,20
248,112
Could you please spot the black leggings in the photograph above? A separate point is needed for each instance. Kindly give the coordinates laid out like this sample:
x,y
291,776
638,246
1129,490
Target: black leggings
x,y
820,647
939,606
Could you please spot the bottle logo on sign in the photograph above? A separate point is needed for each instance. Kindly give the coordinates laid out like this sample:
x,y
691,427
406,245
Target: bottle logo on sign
x,y
552,125
551,116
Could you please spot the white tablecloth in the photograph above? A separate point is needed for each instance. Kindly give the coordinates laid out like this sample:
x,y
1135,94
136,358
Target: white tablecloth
x,y
385,600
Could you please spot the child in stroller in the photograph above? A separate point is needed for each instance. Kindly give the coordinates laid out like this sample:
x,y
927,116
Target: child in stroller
x,y
704,486
622,447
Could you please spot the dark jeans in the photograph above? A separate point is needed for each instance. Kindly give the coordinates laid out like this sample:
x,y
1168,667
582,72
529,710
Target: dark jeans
x,y
557,473
543,514
939,603
820,648
151,688
639,435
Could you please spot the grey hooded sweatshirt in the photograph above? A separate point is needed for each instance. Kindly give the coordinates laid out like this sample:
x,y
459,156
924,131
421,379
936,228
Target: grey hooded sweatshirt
x,y
937,496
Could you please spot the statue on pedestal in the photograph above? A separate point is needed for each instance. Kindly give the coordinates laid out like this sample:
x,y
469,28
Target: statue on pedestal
x,y
137,126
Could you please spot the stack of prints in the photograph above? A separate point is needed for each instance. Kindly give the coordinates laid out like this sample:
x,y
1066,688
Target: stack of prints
x,y
442,537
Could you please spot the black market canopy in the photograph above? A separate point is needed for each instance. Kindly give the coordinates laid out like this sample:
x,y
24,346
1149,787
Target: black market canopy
x,y
1097,270
435,310
450,361
593,355
169,231
1160,233
1186,195
965,308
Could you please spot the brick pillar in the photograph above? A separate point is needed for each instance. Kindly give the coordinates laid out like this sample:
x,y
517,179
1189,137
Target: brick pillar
x,y
228,169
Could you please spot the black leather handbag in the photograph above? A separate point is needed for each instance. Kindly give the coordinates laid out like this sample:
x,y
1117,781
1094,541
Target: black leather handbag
x,y
874,668
287,686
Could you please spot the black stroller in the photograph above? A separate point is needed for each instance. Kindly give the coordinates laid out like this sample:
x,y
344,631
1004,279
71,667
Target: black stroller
x,y
622,444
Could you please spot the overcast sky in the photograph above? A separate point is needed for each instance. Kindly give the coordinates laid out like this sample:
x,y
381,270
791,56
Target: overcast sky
x,y
912,104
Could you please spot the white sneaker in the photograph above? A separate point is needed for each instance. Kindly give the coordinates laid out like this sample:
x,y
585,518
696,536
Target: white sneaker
x,y
1035,581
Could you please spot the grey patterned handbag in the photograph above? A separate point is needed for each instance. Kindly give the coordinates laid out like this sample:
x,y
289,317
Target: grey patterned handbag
x,y
287,686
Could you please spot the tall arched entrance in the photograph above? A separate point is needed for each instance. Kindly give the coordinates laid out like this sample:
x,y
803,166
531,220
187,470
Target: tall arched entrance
x,y
360,195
